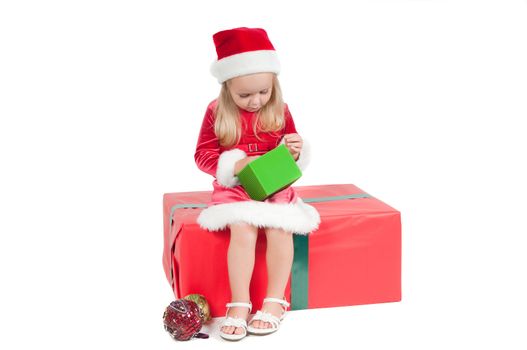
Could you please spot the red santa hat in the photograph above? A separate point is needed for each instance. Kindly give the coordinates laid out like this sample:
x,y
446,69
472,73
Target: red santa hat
x,y
243,51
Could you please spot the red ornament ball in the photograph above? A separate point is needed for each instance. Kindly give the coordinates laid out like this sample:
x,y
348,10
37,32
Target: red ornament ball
x,y
183,320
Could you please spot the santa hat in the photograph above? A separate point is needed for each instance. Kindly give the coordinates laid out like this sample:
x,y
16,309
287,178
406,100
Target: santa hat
x,y
243,51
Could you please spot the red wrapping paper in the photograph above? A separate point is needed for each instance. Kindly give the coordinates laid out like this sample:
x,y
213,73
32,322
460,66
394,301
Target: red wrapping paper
x,y
354,256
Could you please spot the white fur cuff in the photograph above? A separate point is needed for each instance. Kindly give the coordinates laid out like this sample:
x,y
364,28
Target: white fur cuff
x,y
305,154
225,172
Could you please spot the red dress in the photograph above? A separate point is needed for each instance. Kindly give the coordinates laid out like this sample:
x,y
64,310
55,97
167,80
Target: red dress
x,y
229,202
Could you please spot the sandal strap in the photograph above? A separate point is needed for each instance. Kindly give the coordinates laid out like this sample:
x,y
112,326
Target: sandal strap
x,y
276,300
266,317
235,321
240,304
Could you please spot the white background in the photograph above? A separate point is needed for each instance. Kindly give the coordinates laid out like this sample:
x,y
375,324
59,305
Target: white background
x,y
419,103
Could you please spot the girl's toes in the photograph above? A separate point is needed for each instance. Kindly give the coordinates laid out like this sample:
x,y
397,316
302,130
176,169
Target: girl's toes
x,y
238,330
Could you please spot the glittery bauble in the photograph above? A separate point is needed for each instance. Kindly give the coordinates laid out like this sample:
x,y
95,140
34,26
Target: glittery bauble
x,y
202,304
182,319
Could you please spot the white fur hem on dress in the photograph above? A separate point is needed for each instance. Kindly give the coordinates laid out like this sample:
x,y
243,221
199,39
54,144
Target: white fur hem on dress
x,y
298,218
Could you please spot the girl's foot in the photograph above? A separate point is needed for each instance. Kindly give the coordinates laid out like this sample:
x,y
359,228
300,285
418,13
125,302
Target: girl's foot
x,y
236,312
274,309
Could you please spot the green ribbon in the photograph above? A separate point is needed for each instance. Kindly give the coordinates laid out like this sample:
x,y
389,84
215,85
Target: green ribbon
x,y
300,268
299,273
183,206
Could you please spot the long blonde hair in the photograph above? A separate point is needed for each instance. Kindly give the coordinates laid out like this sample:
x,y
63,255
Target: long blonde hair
x,y
227,125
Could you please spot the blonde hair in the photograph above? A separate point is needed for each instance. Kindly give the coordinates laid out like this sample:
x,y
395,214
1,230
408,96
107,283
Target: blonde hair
x,y
227,125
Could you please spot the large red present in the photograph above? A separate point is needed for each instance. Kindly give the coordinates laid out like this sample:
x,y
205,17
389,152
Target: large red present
x,y
353,258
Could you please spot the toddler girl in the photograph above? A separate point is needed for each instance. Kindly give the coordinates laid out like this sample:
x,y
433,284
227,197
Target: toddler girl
x,y
248,119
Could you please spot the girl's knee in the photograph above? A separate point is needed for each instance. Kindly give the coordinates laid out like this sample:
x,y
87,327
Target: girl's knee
x,y
244,233
243,227
278,234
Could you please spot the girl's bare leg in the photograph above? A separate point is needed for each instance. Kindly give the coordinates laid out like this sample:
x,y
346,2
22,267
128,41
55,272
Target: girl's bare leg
x,y
280,251
240,260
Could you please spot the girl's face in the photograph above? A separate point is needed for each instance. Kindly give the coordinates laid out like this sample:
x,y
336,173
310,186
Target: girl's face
x,y
251,92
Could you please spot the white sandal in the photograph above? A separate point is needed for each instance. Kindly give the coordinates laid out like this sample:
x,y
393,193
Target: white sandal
x,y
268,317
235,322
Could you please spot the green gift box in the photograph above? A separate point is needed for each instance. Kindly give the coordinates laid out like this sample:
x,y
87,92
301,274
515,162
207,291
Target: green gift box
x,y
270,173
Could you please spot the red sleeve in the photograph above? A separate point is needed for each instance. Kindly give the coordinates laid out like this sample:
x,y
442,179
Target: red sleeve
x,y
289,122
208,146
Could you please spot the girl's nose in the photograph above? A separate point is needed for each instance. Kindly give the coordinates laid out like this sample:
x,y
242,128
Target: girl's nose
x,y
254,102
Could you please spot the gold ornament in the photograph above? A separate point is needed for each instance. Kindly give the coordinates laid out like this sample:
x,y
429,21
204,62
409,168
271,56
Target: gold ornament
x,y
202,304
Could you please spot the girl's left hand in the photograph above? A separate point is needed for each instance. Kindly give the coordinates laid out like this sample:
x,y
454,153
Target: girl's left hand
x,y
294,144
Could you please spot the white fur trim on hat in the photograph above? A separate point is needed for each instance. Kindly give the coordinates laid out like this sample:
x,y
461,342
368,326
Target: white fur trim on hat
x,y
225,171
245,63
298,218
305,154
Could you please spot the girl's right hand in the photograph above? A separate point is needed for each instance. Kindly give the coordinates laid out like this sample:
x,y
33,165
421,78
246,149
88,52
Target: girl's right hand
x,y
242,163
